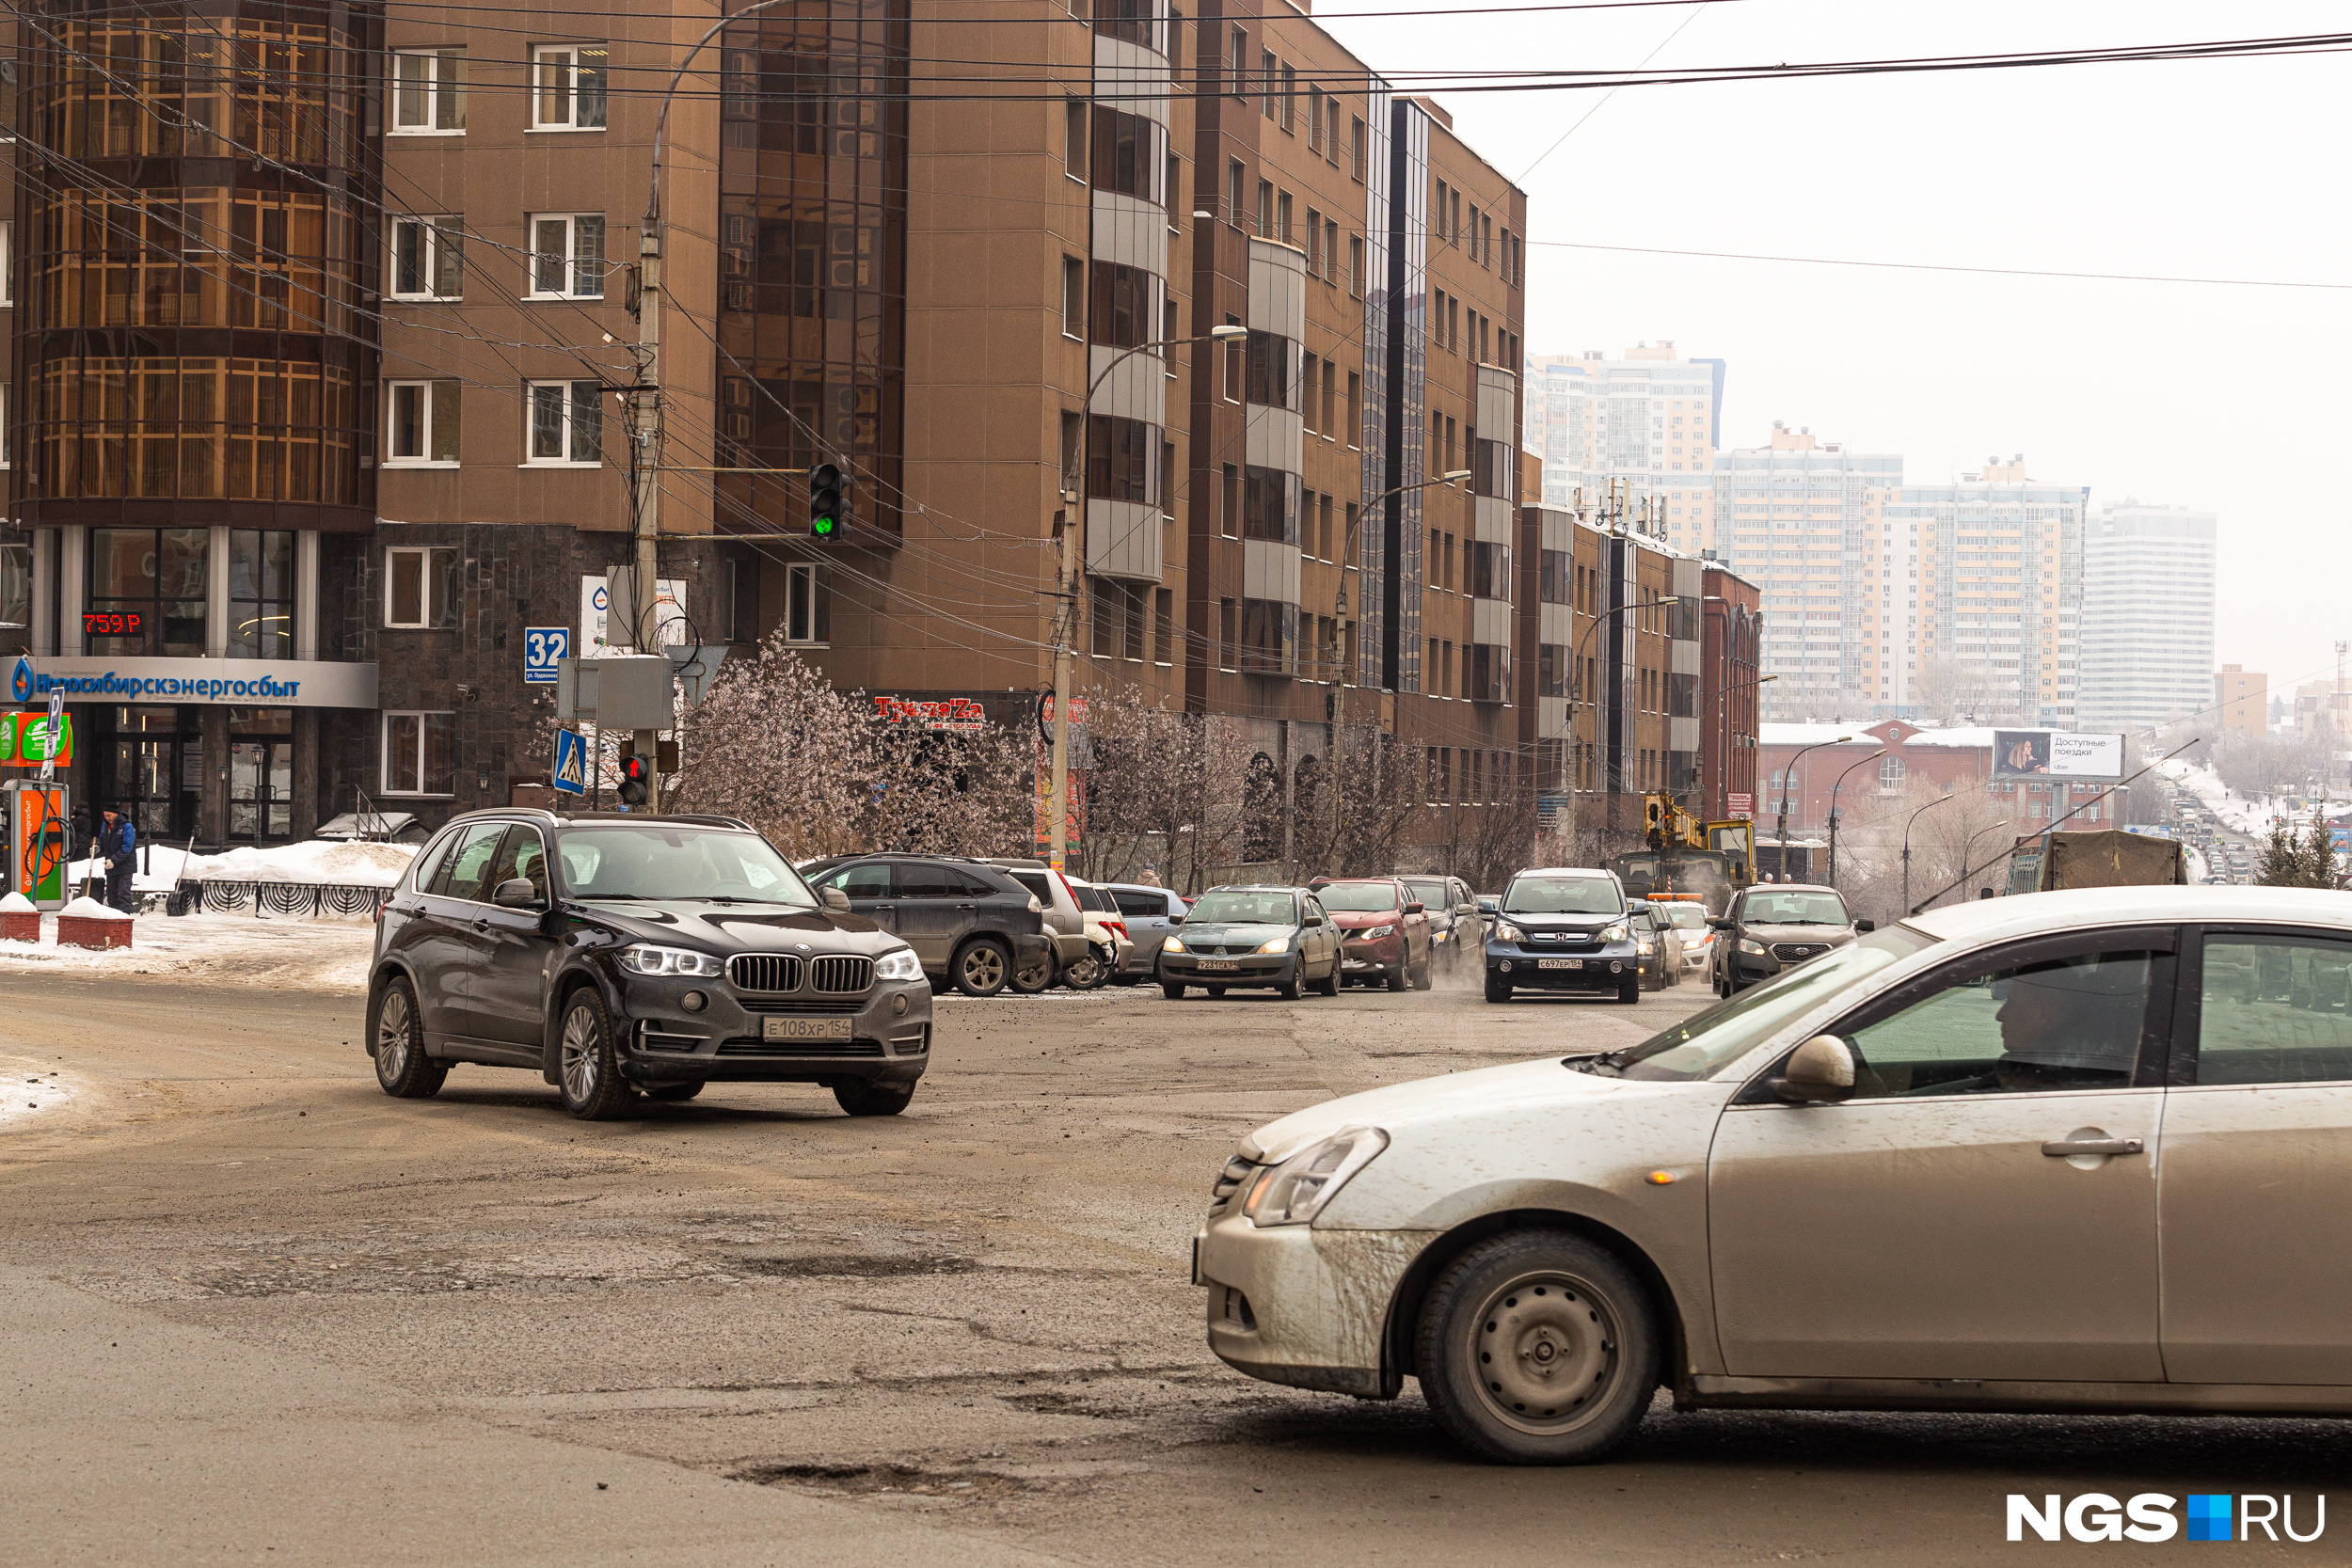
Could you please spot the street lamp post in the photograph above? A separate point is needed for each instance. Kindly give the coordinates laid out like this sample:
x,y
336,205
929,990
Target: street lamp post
x,y
1577,696
1833,812
1339,619
1915,816
1788,773
1968,850
1723,750
1066,620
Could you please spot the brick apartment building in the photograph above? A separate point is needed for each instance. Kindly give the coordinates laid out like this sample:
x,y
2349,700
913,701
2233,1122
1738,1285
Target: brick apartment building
x,y
1805,762
329,319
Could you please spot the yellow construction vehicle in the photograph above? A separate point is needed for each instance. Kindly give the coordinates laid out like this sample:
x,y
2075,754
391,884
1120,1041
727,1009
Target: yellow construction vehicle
x,y
1686,855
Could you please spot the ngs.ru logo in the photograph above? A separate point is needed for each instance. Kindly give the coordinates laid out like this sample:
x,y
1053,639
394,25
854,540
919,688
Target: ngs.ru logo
x,y
2150,1516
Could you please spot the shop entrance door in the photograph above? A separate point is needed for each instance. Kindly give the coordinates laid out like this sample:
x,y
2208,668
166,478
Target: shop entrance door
x,y
149,767
261,789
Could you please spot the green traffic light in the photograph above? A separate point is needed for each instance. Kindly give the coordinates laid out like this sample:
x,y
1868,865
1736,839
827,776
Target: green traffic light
x,y
823,526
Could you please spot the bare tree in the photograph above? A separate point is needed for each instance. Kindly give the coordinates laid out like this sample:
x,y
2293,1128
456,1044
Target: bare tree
x,y
2259,764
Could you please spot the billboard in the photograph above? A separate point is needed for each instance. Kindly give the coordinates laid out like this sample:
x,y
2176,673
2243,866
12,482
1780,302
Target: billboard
x,y
2056,754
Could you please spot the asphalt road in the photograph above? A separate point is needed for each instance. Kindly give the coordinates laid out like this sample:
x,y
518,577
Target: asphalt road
x,y
253,1310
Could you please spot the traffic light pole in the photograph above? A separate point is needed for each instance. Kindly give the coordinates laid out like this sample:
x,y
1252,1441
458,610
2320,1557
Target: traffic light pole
x,y
646,436
1066,620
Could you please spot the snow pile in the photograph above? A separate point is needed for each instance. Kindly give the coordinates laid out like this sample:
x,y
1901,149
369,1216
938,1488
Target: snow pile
x,y
161,869
16,903
29,1090
225,949
86,908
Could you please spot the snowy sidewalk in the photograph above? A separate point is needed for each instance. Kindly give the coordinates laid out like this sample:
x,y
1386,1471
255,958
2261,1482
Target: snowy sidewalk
x,y
277,955
161,867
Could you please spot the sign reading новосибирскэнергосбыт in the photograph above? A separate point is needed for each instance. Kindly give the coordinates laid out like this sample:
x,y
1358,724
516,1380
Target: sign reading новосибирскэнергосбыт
x,y
279,683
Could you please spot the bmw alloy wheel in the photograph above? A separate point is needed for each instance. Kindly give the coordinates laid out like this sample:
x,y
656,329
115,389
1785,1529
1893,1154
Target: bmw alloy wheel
x,y
393,1035
580,1055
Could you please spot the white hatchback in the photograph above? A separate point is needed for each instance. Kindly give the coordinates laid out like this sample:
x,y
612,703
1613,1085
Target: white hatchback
x,y
2070,1151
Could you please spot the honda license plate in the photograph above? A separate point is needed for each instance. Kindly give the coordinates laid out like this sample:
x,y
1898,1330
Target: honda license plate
x,y
806,1028
1218,965
1559,963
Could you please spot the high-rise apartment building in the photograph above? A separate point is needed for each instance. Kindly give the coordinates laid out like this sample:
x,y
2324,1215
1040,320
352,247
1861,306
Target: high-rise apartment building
x,y
1999,561
2241,700
322,405
2147,616
1632,437
1800,517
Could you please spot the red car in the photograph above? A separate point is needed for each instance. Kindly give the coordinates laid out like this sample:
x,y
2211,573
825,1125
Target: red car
x,y
1384,936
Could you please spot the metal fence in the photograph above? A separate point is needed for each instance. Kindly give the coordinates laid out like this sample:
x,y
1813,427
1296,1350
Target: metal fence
x,y
300,900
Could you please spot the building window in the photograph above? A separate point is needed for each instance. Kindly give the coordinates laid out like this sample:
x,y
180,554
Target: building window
x,y
7,263
150,585
1073,298
8,428
1073,138
1073,433
1127,154
1330,249
418,753
1271,361
428,92
1356,152
429,258
1236,67
808,606
1355,408
1126,305
1269,74
1290,98
1235,179
1891,771
1228,634
1122,455
567,86
566,422
420,587
567,256
261,593
424,424
1315,118
1266,209
1282,219
1163,626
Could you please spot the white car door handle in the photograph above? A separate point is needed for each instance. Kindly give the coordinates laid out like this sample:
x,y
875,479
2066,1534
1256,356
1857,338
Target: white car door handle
x,y
2070,1148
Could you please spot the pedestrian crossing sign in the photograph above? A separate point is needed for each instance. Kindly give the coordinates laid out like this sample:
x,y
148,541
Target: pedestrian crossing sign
x,y
571,763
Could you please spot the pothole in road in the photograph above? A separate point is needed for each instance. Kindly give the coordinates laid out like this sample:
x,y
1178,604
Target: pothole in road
x,y
867,1479
852,1265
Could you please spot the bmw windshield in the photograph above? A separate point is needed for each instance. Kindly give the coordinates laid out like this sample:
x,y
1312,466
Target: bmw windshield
x,y
649,862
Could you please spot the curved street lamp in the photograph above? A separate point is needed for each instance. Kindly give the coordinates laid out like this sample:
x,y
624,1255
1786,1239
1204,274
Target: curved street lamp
x,y
1915,816
1833,811
1781,832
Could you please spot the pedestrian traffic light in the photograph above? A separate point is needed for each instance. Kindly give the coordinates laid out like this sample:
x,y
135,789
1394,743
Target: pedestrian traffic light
x,y
636,774
827,514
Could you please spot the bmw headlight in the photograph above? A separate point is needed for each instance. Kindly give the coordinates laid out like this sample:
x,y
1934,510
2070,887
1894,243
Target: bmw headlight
x,y
1615,933
1643,947
900,964
1173,945
1749,945
1505,931
644,959
1280,944
1295,1191
1377,932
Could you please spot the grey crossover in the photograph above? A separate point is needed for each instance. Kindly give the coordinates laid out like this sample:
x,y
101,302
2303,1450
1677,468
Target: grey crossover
x,y
625,955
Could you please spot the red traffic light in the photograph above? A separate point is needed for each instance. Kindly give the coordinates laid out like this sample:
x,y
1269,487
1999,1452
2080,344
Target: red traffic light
x,y
636,775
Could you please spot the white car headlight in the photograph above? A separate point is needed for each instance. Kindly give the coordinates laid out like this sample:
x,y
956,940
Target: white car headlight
x,y
1377,932
1173,945
1505,931
1615,933
900,964
1295,1191
644,960
1280,944
1642,946
1749,945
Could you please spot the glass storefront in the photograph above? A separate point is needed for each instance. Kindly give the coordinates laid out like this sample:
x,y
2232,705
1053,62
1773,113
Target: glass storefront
x,y
154,764
261,773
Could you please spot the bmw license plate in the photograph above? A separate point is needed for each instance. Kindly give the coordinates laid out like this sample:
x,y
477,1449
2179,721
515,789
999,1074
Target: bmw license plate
x,y
806,1028
1559,963
1209,966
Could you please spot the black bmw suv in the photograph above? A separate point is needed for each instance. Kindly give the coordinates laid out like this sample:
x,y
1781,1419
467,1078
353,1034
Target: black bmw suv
x,y
625,953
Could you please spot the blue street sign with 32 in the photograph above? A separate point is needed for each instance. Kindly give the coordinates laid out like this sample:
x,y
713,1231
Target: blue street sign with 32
x,y
542,647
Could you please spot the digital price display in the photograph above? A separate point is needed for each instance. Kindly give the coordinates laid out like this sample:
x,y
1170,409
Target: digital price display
x,y
111,623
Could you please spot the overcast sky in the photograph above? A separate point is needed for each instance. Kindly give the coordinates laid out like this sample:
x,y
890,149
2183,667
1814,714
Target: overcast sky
x,y
2231,399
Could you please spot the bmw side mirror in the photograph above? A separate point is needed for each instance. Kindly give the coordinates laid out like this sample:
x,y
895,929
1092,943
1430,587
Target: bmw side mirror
x,y
1819,1072
515,892
836,900
1866,925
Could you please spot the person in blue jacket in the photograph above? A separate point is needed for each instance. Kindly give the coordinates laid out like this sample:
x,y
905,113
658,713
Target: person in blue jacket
x,y
118,844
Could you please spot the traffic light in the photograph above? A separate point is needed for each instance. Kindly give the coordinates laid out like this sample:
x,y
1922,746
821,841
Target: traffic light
x,y
828,512
636,774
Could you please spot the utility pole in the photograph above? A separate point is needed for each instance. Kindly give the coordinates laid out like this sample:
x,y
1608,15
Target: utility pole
x,y
646,436
1065,631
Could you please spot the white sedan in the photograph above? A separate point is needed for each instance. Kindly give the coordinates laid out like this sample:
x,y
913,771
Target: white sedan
x,y
2070,1151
